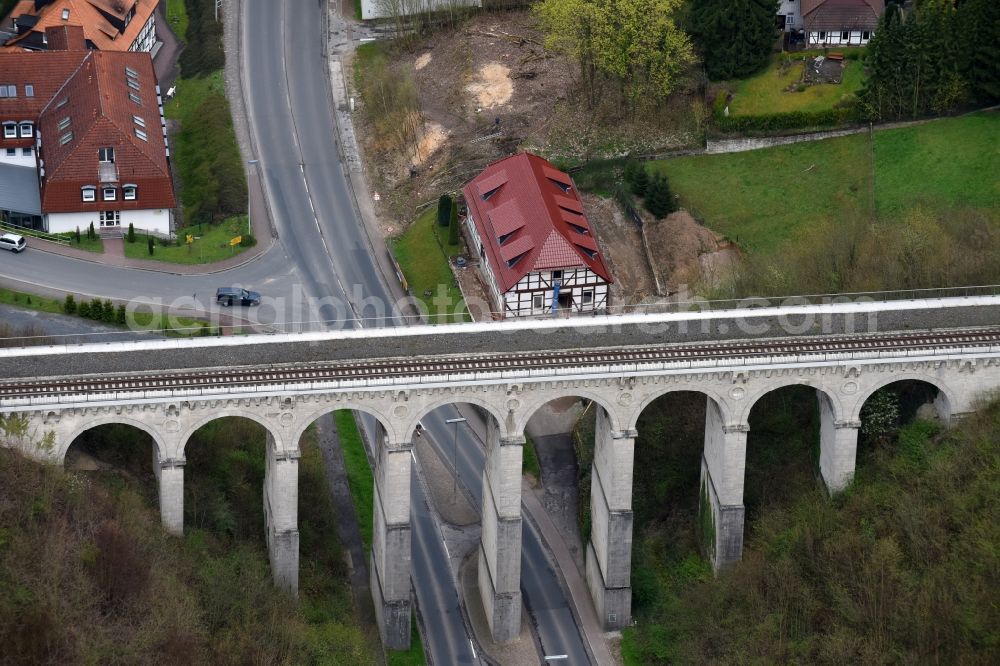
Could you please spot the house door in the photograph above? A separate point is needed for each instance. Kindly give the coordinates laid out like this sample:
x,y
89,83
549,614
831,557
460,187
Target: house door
x,y
565,300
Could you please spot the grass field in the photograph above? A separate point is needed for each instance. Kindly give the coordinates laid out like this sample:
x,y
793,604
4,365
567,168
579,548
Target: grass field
x,y
767,92
426,268
359,473
88,244
211,243
760,198
177,17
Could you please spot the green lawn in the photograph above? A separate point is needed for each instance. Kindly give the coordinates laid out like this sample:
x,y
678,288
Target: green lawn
x,y
178,18
88,244
941,164
211,243
760,198
767,92
191,93
426,268
359,473
412,657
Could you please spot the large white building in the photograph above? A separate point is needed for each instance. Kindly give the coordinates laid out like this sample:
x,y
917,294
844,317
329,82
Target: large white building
x,y
89,125
537,252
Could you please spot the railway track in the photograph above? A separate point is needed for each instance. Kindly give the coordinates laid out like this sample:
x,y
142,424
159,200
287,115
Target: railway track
x,y
176,380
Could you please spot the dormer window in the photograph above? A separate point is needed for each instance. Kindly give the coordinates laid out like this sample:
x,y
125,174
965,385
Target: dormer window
x,y
65,15
110,193
129,192
105,154
27,130
64,123
88,193
486,197
10,130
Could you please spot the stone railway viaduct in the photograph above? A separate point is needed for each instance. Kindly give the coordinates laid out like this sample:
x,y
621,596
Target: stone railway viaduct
x,y
169,389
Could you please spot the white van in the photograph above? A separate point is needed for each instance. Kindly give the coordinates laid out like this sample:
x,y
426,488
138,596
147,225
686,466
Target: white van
x,y
12,242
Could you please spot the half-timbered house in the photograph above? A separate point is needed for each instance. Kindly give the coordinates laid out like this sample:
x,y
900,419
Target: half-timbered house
x,y
537,251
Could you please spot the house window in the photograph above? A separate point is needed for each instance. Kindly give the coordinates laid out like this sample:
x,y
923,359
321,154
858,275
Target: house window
x,y
65,14
482,250
588,297
62,102
139,133
27,130
10,131
26,152
131,72
12,152
89,192
537,301
866,35
29,90
65,138
845,35
135,98
8,91
129,192
110,218
822,35
557,275
106,154
110,193
138,121
64,123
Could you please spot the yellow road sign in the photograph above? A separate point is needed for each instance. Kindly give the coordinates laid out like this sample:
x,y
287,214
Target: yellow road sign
x,y
236,241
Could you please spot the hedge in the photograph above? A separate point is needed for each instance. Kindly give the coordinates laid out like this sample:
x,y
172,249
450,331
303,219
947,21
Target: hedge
x,y
768,122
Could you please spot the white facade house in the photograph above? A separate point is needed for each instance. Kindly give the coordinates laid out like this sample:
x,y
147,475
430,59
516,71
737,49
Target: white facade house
x,y
839,22
537,253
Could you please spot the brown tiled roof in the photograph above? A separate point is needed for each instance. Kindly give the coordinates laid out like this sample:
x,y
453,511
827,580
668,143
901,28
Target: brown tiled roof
x,y
835,15
530,218
87,13
100,113
45,72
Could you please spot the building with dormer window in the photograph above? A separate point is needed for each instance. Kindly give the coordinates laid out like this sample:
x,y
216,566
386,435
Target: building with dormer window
x,y
108,25
537,251
84,139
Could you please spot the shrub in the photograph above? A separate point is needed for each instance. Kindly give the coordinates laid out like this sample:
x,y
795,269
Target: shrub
x,y
247,240
131,233
444,210
640,181
108,314
76,236
91,234
770,122
96,309
453,231
83,310
120,569
69,305
120,315
203,52
149,244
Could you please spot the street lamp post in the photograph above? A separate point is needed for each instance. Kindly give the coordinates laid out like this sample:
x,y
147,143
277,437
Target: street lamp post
x,y
250,163
454,455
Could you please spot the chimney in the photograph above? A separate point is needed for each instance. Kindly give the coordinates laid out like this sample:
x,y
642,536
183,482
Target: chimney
x,y
65,38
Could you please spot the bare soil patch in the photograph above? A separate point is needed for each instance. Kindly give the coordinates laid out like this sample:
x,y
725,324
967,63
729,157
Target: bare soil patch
x,y
685,253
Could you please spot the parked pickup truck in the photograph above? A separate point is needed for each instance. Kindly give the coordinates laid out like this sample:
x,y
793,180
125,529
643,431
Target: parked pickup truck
x,y
235,296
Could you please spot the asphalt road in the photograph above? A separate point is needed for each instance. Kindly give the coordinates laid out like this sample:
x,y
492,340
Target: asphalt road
x,y
540,588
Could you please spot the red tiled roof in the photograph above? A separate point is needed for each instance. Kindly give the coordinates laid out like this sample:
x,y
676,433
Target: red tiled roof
x,y
537,209
100,113
45,72
87,13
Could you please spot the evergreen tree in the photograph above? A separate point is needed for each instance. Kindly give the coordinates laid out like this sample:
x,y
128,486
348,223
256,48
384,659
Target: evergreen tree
x,y
659,199
453,232
131,233
96,309
120,318
735,37
108,313
91,234
69,305
76,236
149,244
640,182
444,210
979,25
84,310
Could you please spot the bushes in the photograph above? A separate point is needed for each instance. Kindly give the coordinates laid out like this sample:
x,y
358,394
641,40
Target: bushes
x,y
444,210
203,51
209,164
773,122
